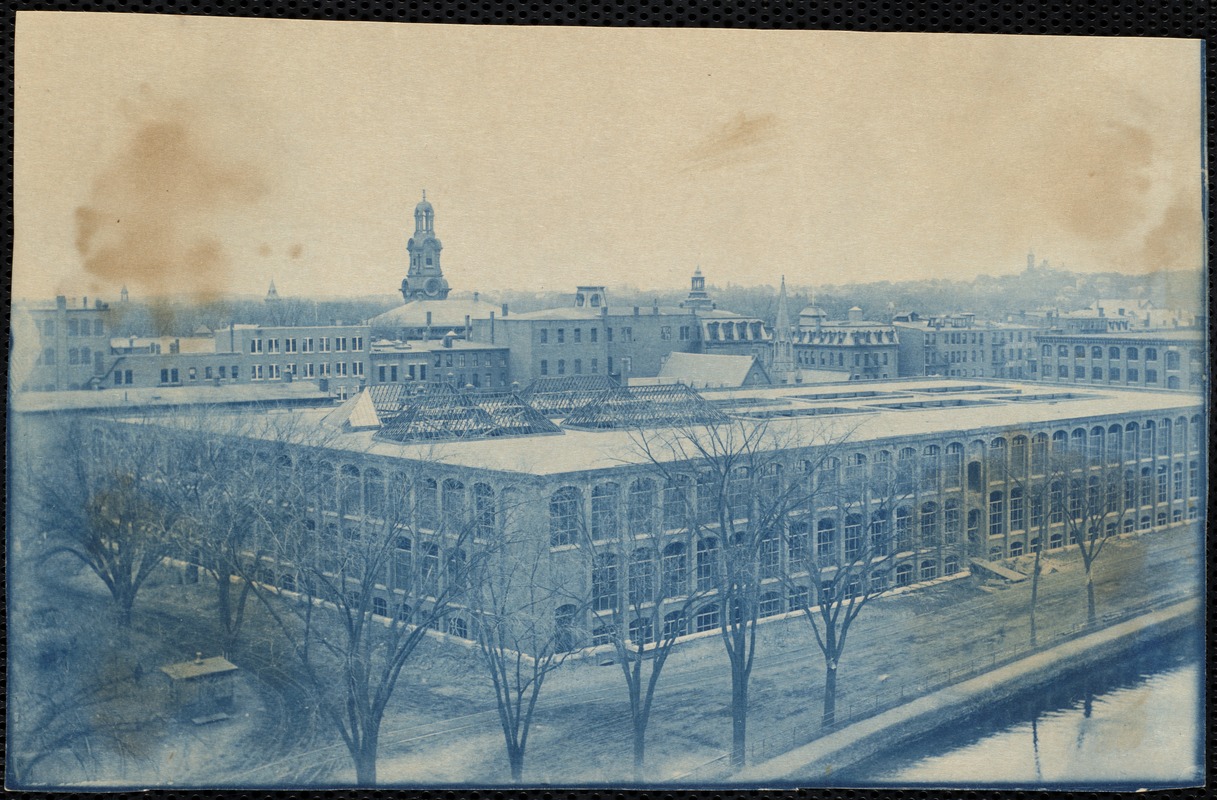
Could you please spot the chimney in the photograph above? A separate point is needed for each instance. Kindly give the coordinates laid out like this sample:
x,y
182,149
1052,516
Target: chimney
x,y
84,301
635,310
475,297
467,328
61,302
427,330
655,307
604,311
492,327
504,309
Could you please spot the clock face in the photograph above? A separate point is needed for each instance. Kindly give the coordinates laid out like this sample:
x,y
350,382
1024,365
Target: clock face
x,y
431,286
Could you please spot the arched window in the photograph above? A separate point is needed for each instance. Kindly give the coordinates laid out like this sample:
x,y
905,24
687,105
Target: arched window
x,y
826,543
930,467
797,543
348,490
904,529
641,586
1177,482
707,498
1131,432
380,606
997,514
1018,456
1062,351
326,478
1147,440
483,510
707,618
827,476
1018,512
1060,443
675,623
1079,351
1163,480
929,524
641,509
929,570
1098,435
952,472
1046,351
1096,352
456,514
1056,541
951,521
770,554
1194,428
374,492
852,536
1164,438
880,534
855,471
1179,437
904,574
564,624
1113,353
428,503
564,511
1016,549
429,570
906,469
403,564
458,571
881,472
676,499
604,582
1077,442
770,605
707,564
951,565
1132,354
1115,444
739,494
675,573
642,631
605,499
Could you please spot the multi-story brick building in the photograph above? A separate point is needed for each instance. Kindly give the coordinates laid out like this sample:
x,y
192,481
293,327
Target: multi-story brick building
x,y
1171,359
967,459
959,345
60,346
869,350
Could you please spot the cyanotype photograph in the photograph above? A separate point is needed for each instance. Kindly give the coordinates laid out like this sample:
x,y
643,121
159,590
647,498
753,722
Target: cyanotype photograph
x,y
419,405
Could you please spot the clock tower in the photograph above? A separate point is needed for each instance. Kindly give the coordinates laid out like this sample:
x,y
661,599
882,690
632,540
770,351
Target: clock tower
x,y
424,279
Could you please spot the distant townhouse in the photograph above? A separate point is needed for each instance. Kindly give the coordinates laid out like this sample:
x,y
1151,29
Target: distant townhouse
x,y
60,346
869,350
959,345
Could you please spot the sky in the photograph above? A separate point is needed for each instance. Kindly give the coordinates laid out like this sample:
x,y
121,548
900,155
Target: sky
x,y
207,156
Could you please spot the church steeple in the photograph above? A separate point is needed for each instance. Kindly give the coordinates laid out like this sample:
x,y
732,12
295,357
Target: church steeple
x,y
783,348
424,278
272,294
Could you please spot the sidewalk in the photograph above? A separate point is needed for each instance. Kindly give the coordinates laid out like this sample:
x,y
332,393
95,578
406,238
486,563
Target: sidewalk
x,y
818,761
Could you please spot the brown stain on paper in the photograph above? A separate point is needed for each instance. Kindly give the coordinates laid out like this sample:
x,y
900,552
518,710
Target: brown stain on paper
x,y
153,217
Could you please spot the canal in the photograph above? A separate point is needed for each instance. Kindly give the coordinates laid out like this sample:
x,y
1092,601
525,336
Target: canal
x,y
1132,724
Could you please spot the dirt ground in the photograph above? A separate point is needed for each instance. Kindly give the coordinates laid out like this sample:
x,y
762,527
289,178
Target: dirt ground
x,y
442,726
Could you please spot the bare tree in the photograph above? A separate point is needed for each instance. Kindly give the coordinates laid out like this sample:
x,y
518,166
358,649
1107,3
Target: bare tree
x,y
521,643
835,576
354,563
103,501
1093,508
744,498
649,611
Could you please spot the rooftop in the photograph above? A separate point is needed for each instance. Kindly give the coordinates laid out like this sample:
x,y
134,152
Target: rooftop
x,y
807,415
303,392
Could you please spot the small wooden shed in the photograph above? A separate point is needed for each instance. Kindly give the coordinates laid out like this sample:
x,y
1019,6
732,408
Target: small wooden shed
x,y
202,689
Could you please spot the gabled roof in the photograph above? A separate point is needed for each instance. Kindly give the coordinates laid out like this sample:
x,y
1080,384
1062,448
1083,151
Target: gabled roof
x,y
558,396
444,414
645,406
700,369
